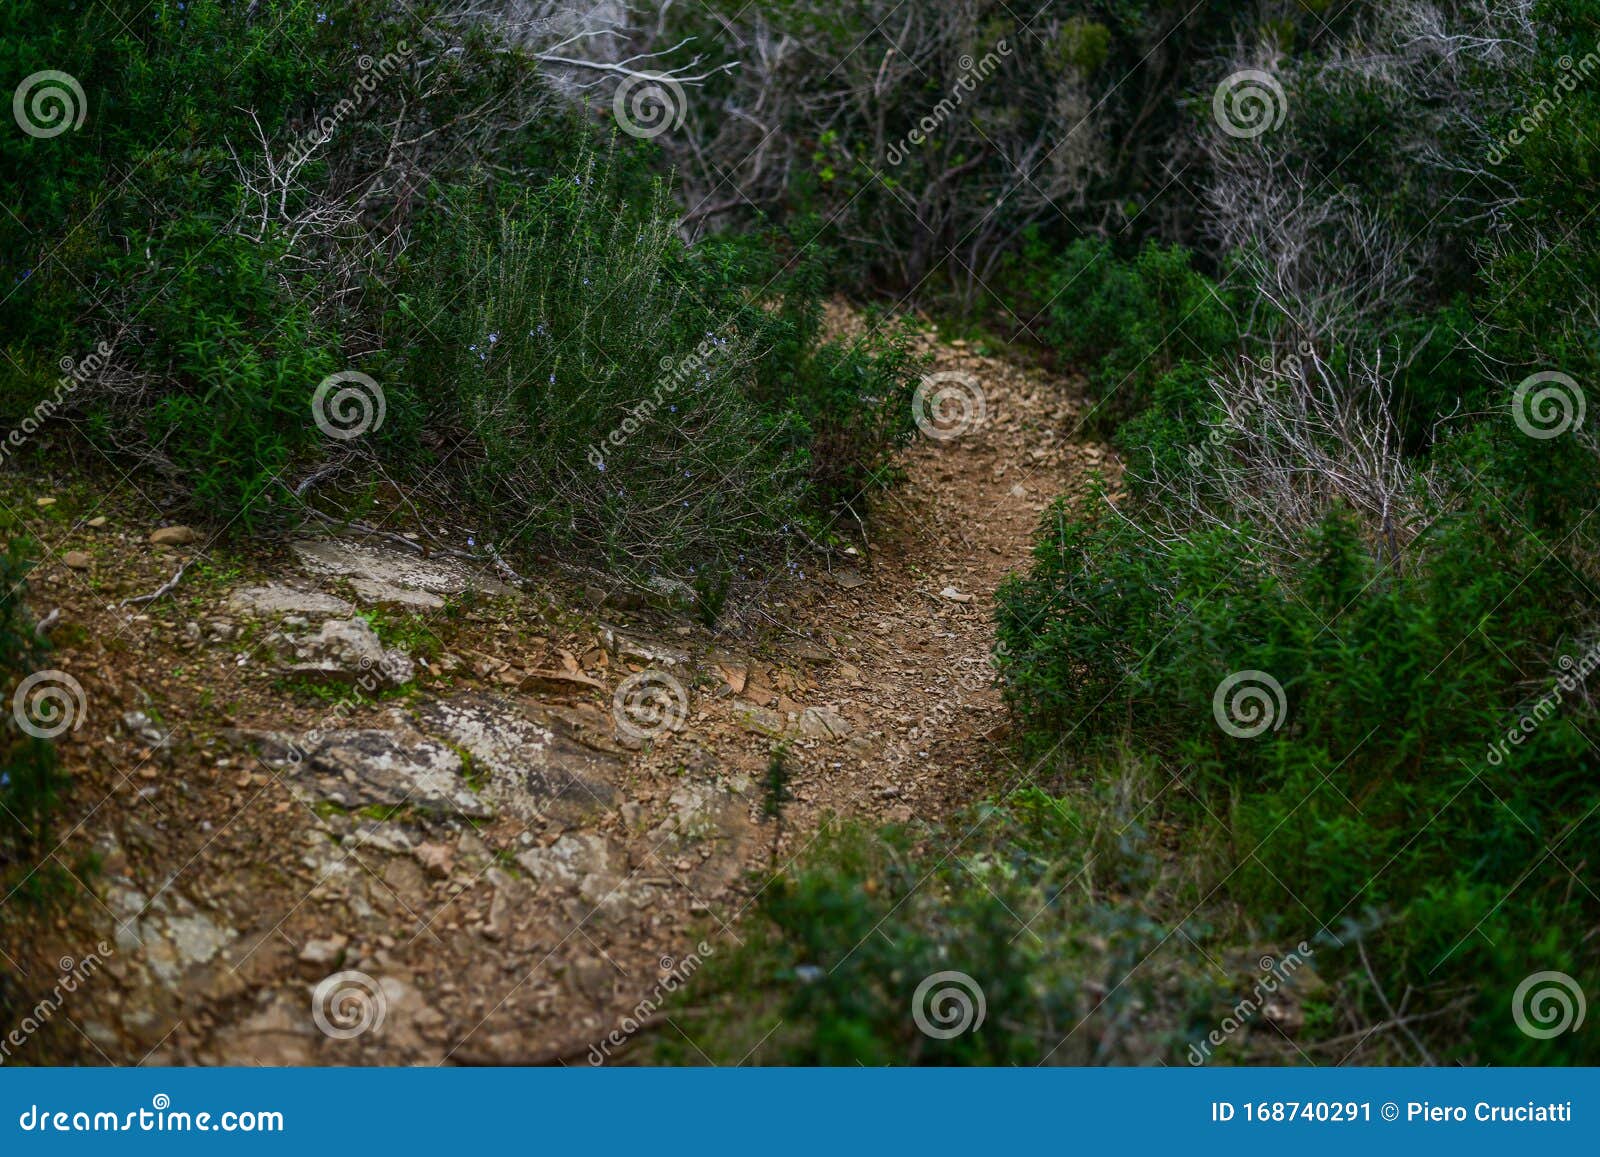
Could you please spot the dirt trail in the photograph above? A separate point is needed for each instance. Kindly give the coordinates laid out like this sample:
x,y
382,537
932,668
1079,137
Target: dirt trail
x,y
485,868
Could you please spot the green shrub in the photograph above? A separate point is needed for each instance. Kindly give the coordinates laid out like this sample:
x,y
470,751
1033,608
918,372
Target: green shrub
x,y
1003,937
597,401
1136,324
1396,681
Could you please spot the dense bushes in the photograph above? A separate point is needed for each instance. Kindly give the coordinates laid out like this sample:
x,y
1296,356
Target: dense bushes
x,y
602,401
907,945
395,193
1379,793
1343,499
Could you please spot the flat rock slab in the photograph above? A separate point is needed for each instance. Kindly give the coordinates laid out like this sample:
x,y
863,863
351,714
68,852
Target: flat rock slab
x,y
382,575
590,865
348,649
280,599
532,761
366,767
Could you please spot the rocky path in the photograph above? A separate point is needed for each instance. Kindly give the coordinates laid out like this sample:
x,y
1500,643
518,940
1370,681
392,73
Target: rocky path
x,y
481,824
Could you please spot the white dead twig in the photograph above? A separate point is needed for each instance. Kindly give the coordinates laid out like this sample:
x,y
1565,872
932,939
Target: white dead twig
x,y
164,589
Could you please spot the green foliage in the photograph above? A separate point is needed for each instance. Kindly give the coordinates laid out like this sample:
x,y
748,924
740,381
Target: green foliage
x,y
1390,787
546,346
1431,778
875,935
1139,326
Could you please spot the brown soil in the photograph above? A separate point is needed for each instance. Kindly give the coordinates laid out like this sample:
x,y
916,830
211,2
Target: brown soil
x,y
226,891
